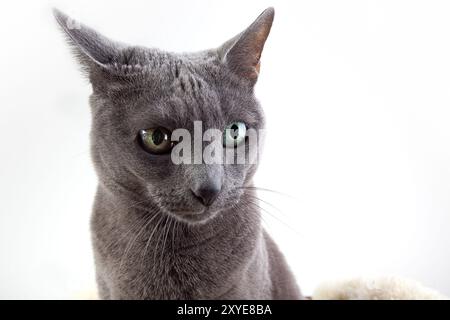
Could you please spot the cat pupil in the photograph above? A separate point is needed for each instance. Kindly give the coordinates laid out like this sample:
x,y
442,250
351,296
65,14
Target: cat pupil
x,y
157,137
234,131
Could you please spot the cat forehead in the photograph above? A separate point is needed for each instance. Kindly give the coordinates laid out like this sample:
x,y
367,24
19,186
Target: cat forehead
x,y
176,89
186,98
159,70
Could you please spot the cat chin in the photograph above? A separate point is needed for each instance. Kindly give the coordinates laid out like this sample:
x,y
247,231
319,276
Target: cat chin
x,y
191,217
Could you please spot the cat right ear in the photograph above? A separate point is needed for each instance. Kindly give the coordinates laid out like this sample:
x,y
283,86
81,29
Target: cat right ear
x,y
242,53
92,49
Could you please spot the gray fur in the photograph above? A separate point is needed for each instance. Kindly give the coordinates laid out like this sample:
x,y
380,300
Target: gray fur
x,y
152,238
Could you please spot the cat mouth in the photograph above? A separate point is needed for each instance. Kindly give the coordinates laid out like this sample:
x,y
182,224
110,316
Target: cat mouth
x,y
193,216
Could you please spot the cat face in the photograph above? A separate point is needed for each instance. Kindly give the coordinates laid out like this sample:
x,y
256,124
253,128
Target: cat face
x,y
142,96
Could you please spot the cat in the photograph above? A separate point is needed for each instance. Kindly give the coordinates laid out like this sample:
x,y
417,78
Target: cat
x,y
176,231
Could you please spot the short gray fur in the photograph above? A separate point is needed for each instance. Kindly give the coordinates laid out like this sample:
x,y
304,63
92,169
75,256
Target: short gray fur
x,y
152,238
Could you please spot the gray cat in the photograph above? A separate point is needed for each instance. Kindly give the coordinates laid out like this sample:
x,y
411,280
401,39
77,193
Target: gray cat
x,y
162,230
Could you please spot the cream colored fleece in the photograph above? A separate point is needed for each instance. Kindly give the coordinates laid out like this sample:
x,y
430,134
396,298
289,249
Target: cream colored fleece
x,y
386,288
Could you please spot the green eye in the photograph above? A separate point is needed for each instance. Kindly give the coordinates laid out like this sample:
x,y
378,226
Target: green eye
x,y
156,140
234,134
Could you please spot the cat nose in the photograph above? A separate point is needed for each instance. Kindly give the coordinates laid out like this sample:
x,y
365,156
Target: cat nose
x,y
207,193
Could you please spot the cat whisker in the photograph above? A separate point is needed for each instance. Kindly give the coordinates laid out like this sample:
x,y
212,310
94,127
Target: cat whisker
x,y
174,231
131,242
135,224
265,223
166,235
255,196
173,236
144,252
160,237
278,210
267,190
276,218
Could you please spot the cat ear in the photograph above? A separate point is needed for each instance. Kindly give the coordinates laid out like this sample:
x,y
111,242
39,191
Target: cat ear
x,y
92,49
242,53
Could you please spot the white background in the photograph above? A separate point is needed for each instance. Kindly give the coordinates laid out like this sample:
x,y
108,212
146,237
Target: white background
x,y
357,97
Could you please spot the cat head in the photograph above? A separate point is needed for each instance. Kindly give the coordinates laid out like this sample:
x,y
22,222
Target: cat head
x,y
142,96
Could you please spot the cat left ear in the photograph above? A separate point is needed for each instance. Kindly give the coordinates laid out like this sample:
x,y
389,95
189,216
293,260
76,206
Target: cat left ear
x,y
92,49
242,54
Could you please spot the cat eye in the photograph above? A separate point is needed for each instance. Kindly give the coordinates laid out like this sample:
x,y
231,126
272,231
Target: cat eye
x,y
156,140
234,134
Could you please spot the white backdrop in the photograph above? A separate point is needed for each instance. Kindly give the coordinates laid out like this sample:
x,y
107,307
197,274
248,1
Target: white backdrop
x,y
357,97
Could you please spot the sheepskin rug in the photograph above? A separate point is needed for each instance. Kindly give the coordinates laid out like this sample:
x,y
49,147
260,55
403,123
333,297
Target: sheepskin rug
x,y
386,288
